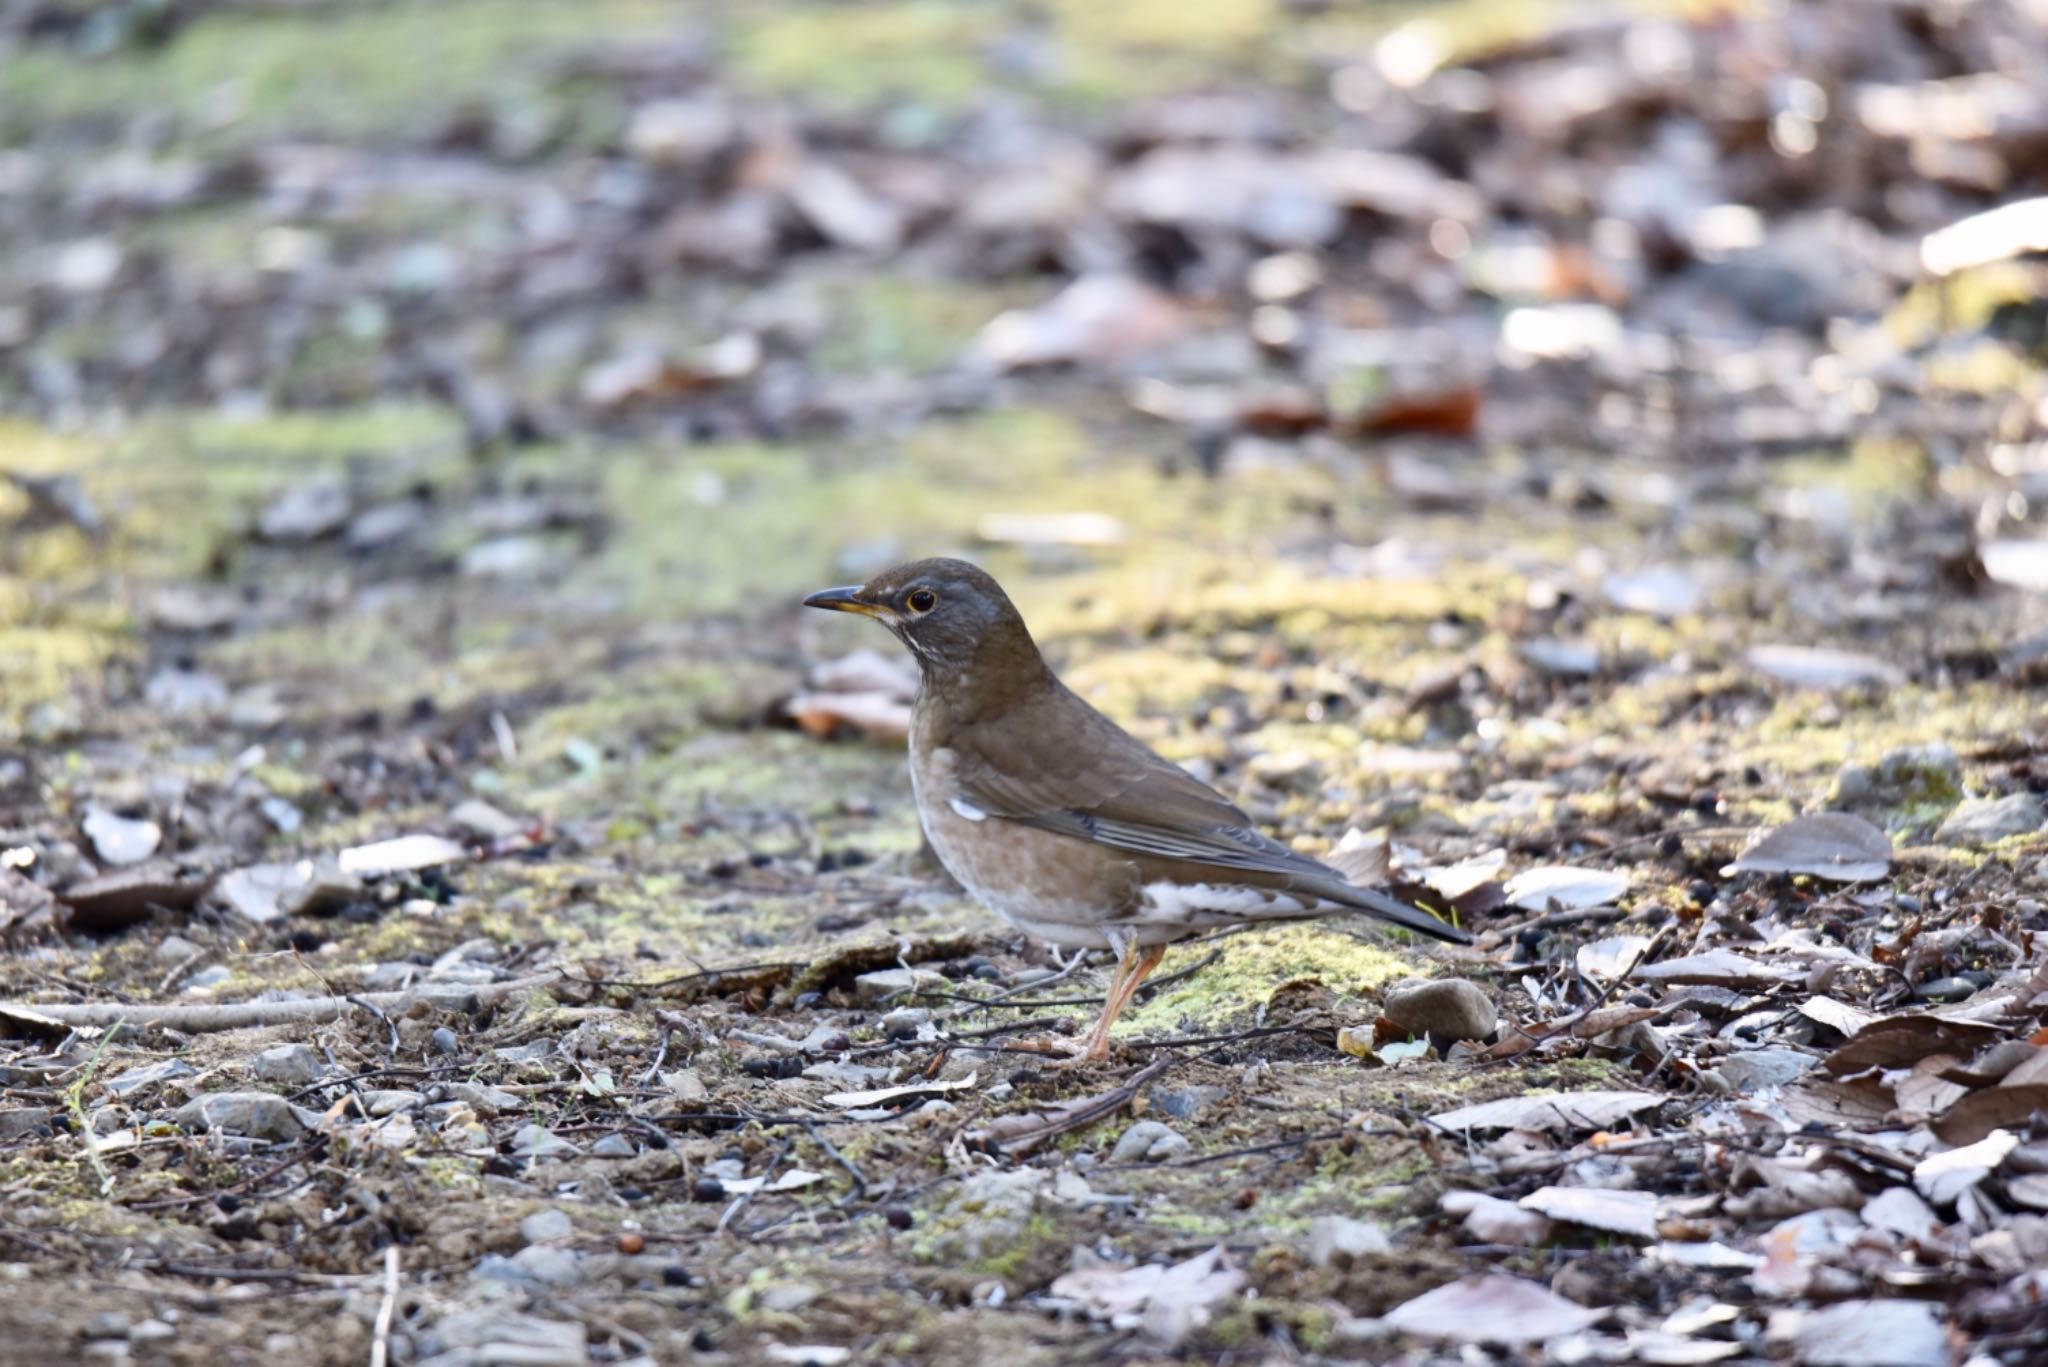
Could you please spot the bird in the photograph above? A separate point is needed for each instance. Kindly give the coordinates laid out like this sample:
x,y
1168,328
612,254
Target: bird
x,y
1060,821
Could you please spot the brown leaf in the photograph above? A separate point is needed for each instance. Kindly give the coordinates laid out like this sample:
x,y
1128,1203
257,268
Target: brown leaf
x,y
1442,413
1718,968
1988,1109
1833,845
1901,1041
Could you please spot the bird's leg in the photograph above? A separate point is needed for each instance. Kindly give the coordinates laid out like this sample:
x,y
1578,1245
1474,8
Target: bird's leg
x,y
1132,969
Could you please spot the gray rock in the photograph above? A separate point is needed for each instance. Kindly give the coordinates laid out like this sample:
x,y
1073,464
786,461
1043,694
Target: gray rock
x,y
390,1101
324,889
1188,1103
256,1115
152,1331
546,1226
305,512
392,976
1448,1008
444,1040
17,1121
485,822
483,1098
1985,821
108,1324
549,1265
875,988
1911,775
121,840
905,1022
1753,1069
174,949
213,975
288,1065
538,1141
1332,1238
497,1334
1148,1141
613,1146
138,1080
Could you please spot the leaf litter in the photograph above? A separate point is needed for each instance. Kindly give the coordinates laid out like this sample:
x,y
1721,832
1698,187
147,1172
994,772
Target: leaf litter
x,y
1419,315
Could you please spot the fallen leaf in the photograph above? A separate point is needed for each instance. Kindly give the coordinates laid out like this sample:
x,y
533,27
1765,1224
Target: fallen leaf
x,y
1606,959
1819,667
1991,1109
1833,845
1944,1176
1718,968
1901,1041
882,1096
1492,1308
1633,1213
1569,1110
793,1180
405,854
1168,1302
1562,887
1887,1333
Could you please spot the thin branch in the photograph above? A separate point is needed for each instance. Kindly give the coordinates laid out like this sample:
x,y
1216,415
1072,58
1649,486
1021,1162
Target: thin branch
x,y
198,1019
387,1309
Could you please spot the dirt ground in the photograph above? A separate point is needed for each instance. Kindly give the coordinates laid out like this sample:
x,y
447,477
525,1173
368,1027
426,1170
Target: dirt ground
x,y
1536,453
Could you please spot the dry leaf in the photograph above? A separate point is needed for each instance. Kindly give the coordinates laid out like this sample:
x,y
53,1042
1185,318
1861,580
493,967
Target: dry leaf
x,y
1570,1110
1492,1308
1833,845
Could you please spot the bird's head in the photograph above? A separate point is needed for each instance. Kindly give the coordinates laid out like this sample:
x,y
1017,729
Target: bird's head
x,y
953,616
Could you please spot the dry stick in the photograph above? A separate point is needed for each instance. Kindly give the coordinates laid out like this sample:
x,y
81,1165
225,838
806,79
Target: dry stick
x,y
244,1015
380,1346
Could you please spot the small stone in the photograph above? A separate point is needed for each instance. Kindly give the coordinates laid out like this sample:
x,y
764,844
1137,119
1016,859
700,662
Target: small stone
x,y
1945,990
1148,1141
1448,1008
707,1189
174,949
121,840
873,989
1985,821
481,820
1335,1237
288,1065
1491,1220
392,1101
256,1115
538,1141
483,1098
1188,1103
138,1080
305,512
546,1226
213,975
444,1040
613,1146
905,1022
152,1331
108,1324
18,1121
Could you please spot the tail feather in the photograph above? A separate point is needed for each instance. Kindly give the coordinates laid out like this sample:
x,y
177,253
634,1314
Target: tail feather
x,y
1384,908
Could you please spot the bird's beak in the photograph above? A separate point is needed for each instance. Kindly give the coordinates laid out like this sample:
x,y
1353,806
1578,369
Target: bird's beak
x,y
847,599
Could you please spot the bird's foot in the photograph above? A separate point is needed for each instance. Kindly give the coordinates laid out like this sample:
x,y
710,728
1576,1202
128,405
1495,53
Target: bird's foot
x,y
1063,1053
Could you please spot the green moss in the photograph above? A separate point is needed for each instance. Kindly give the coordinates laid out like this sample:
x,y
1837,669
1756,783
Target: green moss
x,y
1252,967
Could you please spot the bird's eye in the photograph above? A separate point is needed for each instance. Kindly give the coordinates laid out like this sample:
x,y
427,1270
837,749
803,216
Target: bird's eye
x,y
921,600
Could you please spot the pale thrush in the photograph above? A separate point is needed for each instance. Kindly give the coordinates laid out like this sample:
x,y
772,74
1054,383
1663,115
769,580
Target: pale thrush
x,y
1057,819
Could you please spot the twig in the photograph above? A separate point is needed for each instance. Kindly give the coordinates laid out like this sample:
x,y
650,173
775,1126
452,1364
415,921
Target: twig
x,y
1189,1041
380,1344
195,1019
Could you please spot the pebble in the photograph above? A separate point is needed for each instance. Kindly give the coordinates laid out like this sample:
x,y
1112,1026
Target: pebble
x,y
1148,1141
289,1065
256,1115
1945,990
108,1324
613,1146
213,975
1335,1237
538,1141
905,1022
152,1331
483,1098
1448,1008
1985,821
121,840
174,949
1188,1103
546,1226
136,1080
445,1041
481,820
872,989
17,1121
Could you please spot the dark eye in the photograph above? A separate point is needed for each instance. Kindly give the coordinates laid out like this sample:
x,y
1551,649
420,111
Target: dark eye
x,y
921,600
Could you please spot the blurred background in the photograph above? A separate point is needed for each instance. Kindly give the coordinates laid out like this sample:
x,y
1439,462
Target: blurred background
x,y
1434,394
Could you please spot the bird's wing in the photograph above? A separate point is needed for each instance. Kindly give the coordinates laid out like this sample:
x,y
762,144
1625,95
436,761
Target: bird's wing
x,y
1100,784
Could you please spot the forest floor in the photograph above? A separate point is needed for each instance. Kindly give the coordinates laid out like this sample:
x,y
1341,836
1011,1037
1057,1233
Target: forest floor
x,y
459,908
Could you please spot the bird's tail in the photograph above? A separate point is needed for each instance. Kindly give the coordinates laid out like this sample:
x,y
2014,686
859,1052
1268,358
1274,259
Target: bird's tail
x,y
1384,908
